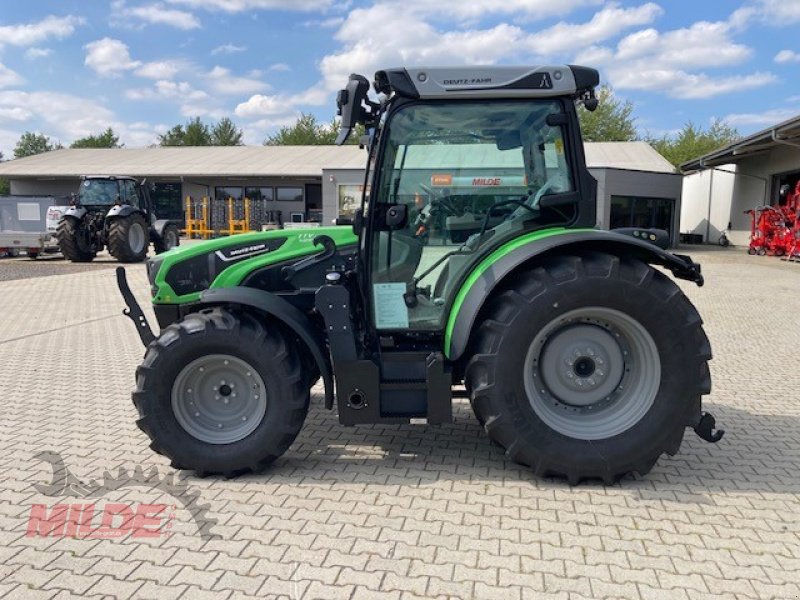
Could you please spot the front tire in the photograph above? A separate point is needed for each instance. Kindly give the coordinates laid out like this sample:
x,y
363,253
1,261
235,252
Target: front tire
x,y
128,238
589,367
73,241
219,393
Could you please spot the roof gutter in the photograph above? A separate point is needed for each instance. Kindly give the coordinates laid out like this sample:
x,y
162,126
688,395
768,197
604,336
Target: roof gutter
x,y
779,140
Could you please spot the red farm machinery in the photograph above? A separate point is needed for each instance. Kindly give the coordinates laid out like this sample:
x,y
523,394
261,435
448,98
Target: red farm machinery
x,y
775,230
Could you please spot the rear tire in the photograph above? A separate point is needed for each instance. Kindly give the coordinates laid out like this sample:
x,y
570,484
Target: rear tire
x,y
128,238
181,400
73,241
169,239
526,394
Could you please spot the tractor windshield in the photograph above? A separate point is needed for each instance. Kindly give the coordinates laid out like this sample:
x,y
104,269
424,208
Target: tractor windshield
x,y
467,172
99,192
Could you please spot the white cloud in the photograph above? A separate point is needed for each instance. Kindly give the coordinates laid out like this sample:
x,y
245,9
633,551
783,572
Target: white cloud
x,y
109,57
260,105
228,49
764,119
49,28
15,113
162,69
279,67
605,24
779,12
168,90
671,62
35,53
222,81
153,14
64,116
191,102
237,6
8,77
787,56
472,9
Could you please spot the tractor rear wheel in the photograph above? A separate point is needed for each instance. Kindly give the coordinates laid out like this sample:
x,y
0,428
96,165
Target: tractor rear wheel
x,y
128,238
589,367
169,239
74,242
219,393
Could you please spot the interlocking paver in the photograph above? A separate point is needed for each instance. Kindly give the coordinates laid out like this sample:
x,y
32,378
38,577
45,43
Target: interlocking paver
x,y
402,511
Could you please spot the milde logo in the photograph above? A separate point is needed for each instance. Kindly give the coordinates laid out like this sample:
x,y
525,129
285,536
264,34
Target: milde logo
x,y
93,520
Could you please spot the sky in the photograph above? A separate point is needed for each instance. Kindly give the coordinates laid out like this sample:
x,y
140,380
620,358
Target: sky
x,y
70,68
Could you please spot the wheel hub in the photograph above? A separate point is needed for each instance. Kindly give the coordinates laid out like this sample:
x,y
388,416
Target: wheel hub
x,y
219,399
581,364
592,373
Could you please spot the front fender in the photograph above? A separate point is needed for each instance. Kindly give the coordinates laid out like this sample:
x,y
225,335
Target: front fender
x,y
287,314
503,261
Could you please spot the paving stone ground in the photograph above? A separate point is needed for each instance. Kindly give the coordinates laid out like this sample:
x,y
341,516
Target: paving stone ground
x,y
399,512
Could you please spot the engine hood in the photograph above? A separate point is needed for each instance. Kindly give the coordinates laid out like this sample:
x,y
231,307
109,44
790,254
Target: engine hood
x,y
181,274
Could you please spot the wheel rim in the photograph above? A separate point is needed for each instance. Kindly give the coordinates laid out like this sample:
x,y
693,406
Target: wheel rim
x,y
136,237
171,240
592,373
219,399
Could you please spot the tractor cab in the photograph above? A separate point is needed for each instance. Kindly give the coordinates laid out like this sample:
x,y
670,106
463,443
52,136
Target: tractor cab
x,y
105,192
464,160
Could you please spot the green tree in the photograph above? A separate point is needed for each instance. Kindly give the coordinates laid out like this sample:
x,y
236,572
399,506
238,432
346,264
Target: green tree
x,y
226,133
194,133
173,137
31,143
693,141
613,121
308,131
197,133
5,186
107,139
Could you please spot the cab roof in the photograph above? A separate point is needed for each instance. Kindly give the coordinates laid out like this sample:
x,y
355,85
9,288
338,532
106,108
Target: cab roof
x,y
545,81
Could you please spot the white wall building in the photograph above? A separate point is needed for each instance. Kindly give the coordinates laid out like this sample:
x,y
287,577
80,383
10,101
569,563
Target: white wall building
x,y
720,186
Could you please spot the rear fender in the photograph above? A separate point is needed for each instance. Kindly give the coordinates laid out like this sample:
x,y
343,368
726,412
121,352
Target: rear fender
x,y
284,312
74,212
160,225
487,275
121,210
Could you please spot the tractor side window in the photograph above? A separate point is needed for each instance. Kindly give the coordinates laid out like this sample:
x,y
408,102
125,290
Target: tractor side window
x,y
466,173
127,189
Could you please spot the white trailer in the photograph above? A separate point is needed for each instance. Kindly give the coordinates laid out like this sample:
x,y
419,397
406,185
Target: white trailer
x,y
24,224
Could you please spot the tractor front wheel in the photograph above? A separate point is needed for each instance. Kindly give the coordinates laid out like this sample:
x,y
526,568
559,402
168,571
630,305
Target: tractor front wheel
x,y
219,393
128,238
74,241
589,367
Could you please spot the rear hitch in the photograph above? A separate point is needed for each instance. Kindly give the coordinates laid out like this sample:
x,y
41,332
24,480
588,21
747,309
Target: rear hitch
x,y
134,311
705,428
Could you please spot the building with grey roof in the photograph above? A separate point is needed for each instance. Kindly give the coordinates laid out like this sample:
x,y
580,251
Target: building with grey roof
x,y
636,185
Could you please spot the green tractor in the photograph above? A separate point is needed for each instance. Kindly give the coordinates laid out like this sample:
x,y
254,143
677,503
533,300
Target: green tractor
x,y
580,358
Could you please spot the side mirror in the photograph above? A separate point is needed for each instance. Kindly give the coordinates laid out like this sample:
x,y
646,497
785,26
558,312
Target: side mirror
x,y
350,103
